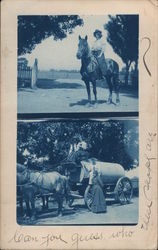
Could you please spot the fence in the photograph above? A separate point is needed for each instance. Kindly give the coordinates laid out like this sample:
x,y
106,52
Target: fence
x,y
27,76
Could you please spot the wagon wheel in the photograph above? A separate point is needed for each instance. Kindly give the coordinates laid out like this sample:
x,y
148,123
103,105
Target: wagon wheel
x,y
88,197
123,190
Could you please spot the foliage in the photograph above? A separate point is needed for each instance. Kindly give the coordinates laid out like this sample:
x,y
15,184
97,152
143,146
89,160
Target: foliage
x,y
32,30
122,31
108,141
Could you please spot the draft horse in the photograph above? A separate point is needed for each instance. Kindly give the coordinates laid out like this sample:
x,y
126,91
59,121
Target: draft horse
x,y
90,71
32,183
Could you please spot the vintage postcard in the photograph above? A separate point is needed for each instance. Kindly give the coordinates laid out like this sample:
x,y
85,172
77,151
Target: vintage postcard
x,y
79,124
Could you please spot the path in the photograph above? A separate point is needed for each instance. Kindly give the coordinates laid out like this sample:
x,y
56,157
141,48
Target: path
x,y
70,95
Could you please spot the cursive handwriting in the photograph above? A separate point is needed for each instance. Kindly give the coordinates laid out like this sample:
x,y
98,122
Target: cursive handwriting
x,y
78,238
122,234
148,180
20,237
51,237
149,141
144,61
147,216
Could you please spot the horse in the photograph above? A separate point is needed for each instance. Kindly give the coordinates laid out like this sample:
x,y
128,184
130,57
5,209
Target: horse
x,y
90,71
32,183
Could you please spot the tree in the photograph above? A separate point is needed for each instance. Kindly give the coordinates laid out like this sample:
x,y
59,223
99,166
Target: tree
x,y
122,31
114,141
32,30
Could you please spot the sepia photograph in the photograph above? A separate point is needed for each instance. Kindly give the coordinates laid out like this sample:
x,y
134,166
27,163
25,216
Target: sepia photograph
x,y
78,172
72,63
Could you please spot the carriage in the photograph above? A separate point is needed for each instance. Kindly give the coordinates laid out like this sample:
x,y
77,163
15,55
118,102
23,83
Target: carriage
x,y
116,184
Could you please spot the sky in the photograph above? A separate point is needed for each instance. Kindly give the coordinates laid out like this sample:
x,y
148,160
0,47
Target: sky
x,y
62,54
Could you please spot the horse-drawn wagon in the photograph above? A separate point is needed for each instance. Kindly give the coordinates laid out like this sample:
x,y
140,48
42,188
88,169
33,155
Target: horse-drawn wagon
x,y
116,184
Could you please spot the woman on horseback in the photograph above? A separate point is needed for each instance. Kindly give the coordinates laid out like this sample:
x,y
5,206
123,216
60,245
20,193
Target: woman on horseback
x,y
98,49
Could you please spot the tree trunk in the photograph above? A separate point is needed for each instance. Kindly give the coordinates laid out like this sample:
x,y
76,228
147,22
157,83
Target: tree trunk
x,y
127,73
136,74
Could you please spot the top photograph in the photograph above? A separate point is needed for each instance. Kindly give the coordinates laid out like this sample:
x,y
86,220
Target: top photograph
x,y
77,64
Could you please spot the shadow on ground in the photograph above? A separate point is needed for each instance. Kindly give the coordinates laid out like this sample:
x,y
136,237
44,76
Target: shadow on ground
x,y
84,102
53,84
27,90
129,92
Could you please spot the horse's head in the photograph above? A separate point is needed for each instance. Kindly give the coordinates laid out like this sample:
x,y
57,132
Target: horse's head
x,y
82,47
22,174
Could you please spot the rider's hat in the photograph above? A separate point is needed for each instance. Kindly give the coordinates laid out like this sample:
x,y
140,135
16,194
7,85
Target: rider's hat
x,y
97,32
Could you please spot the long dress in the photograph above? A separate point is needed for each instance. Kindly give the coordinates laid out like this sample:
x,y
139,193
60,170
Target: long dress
x,y
98,201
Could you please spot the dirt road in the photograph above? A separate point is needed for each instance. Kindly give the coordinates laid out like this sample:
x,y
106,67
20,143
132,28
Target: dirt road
x,y
69,95
79,214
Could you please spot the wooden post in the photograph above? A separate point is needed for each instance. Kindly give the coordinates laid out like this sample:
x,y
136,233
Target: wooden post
x,y
34,74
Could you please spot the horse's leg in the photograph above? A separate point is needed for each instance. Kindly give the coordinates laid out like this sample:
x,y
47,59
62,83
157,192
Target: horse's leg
x,y
33,207
94,90
21,206
43,202
88,90
116,86
109,82
47,198
28,210
60,205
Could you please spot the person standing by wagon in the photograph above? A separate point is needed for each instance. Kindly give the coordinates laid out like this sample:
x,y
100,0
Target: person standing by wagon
x,y
98,204
98,49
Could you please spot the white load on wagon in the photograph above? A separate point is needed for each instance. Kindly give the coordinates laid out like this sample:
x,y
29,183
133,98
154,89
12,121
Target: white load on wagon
x,y
110,172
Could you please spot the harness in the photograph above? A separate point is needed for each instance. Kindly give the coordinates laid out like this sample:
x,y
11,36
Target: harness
x,y
28,178
34,183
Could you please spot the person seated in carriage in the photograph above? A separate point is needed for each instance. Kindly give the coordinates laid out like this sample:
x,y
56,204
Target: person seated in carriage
x,y
98,49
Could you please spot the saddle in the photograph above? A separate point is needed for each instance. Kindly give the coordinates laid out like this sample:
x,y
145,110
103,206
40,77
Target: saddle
x,y
91,67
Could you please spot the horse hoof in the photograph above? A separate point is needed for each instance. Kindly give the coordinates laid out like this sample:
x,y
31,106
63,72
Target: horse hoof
x,y
89,104
117,103
109,101
33,217
60,215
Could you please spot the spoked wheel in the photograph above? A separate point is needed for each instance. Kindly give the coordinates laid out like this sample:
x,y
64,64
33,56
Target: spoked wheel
x,y
123,190
88,197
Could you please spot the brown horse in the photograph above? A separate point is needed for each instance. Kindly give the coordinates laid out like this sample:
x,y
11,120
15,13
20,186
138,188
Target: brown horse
x,y
32,183
90,71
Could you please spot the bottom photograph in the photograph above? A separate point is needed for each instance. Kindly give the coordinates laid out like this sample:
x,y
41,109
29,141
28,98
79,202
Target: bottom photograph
x,y
78,172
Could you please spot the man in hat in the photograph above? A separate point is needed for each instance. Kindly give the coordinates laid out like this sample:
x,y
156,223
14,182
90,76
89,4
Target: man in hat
x,y
98,49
